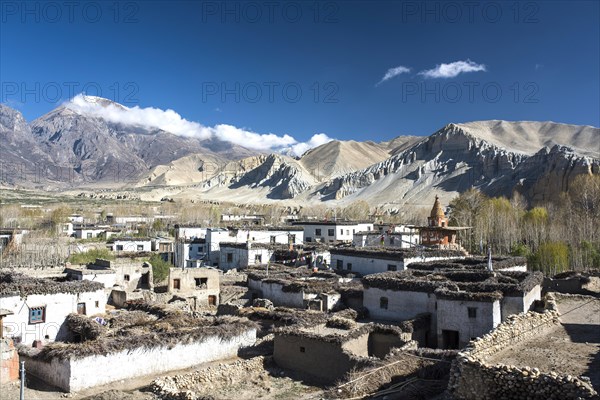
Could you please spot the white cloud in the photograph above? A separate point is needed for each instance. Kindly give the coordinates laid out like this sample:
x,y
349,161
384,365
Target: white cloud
x,y
453,69
392,72
170,121
317,140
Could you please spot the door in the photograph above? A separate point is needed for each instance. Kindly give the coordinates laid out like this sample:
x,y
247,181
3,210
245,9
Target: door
x,y
212,300
450,339
81,308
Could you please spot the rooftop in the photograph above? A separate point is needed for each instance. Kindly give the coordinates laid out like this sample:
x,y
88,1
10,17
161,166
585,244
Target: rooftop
x,y
390,253
470,263
330,222
302,279
457,284
23,285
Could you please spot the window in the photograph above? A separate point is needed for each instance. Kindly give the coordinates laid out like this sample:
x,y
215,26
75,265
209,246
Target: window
x,y
201,282
89,235
302,349
229,257
339,264
292,239
391,240
353,231
273,239
97,303
81,308
472,312
348,232
392,267
317,232
119,247
341,232
331,232
308,239
126,278
176,284
140,247
349,266
443,223
383,303
37,315
257,258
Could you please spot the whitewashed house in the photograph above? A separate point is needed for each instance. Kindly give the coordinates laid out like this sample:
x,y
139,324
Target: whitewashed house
x,y
399,238
188,232
332,231
188,251
89,231
39,306
372,260
297,288
270,235
463,304
243,255
130,244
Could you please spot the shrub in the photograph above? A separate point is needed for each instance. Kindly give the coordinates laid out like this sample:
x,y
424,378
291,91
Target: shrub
x,y
90,256
160,268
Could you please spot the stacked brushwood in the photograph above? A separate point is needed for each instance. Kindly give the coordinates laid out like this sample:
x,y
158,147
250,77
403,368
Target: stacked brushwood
x,y
84,327
12,283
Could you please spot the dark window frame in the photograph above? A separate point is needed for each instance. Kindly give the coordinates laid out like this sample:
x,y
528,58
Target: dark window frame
x,y
384,303
472,312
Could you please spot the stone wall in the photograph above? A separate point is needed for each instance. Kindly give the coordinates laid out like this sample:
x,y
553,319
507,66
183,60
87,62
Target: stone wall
x,y
472,378
183,386
323,361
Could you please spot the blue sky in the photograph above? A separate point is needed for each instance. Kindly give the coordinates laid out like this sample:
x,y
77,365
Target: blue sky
x,y
302,68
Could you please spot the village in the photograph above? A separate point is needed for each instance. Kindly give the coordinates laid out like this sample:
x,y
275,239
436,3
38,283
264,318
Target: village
x,y
306,308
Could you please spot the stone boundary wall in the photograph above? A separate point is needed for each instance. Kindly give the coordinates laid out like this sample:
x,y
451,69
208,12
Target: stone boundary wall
x,y
471,378
181,386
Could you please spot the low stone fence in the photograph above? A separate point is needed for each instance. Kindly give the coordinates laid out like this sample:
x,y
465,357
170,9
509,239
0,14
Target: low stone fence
x,y
472,378
183,386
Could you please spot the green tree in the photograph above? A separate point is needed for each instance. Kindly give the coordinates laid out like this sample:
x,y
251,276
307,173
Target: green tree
x,y
160,268
464,211
551,258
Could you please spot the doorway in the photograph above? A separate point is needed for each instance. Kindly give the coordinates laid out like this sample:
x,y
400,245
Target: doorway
x,y
212,300
450,339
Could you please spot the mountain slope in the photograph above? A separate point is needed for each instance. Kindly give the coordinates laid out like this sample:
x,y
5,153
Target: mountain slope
x,y
69,147
114,153
341,157
456,158
22,158
529,136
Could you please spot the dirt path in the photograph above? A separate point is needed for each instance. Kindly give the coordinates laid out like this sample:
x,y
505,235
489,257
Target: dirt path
x,y
572,348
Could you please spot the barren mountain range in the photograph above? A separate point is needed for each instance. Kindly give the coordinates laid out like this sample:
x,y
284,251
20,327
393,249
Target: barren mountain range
x,y
70,151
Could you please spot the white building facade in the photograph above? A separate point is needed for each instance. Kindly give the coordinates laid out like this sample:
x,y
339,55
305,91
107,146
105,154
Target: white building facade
x,y
332,231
